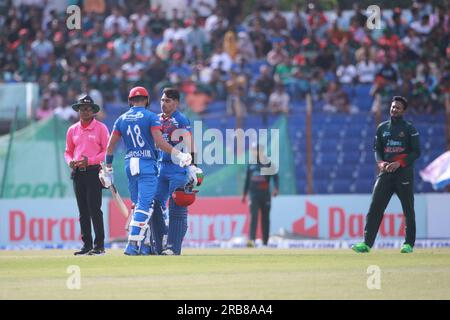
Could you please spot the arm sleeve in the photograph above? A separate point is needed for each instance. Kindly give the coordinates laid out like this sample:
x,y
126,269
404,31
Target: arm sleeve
x,y
414,153
70,147
378,146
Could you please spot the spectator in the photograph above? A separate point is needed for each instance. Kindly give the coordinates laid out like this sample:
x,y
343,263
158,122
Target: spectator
x,y
196,38
366,49
283,71
397,25
279,100
157,70
230,45
143,48
140,18
423,28
157,24
218,86
366,70
215,22
178,67
420,98
66,113
317,85
390,43
108,84
317,20
326,59
131,69
246,49
412,44
265,81
232,10
175,32
221,60
123,45
277,54
28,70
259,40
346,72
41,47
277,23
235,91
204,8
55,99
388,72
257,102
297,32
336,100
116,17
256,18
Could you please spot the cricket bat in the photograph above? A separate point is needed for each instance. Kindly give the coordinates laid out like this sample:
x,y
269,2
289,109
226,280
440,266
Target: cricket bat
x,y
119,202
122,207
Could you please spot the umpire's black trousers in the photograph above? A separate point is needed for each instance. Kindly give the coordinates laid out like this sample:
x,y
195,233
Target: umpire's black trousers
x,y
88,190
402,183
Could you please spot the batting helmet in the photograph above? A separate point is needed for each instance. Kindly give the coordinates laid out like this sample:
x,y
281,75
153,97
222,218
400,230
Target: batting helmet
x,y
138,92
184,197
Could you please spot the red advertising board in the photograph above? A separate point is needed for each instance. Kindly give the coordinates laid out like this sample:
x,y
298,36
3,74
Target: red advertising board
x,y
209,219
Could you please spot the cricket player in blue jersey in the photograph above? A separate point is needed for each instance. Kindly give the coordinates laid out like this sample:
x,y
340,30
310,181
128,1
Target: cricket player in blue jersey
x,y
140,130
174,180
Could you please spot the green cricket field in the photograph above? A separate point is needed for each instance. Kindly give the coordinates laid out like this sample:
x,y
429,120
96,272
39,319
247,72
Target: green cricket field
x,y
211,274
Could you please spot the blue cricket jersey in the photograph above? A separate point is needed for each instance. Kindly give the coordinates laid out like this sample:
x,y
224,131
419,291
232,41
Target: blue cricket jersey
x,y
135,127
168,125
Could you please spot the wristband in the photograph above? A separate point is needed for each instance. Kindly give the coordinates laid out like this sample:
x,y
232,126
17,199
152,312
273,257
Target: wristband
x,y
109,158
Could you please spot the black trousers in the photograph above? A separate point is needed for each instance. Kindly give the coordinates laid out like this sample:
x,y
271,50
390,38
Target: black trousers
x,y
260,202
402,183
88,191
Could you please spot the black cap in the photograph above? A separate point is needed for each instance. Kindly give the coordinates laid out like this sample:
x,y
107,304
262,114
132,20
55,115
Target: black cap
x,y
86,101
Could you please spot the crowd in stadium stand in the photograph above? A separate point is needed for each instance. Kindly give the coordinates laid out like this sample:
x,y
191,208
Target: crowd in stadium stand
x,y
258,63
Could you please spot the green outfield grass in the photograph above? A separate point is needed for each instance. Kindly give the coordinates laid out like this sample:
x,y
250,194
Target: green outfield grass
x,y
227,274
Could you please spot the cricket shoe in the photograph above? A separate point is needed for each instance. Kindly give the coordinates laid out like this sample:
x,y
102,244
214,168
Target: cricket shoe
x,y
97,252
406,248
132,249
145,250
167,252
83,251
361,248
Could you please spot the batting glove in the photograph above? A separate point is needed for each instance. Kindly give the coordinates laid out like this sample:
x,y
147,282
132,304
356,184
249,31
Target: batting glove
x,y
185,159
106,177
195,175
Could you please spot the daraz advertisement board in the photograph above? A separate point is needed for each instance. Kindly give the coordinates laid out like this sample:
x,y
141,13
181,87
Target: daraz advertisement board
x,y
340,216
39,222
51,221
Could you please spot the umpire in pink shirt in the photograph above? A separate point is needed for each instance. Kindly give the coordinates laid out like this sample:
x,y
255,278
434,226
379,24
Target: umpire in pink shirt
x,y
86,143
